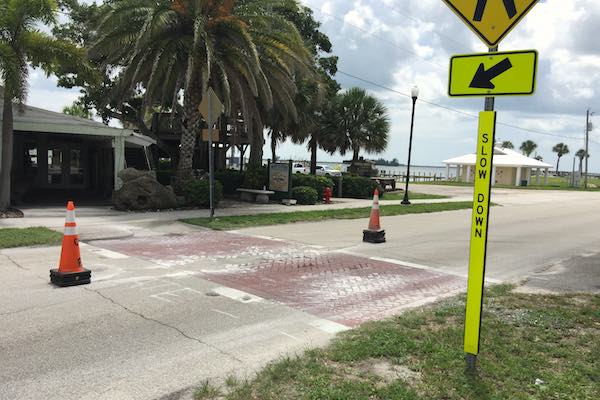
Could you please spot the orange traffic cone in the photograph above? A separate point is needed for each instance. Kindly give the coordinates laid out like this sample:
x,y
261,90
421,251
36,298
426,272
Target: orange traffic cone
x,y
374,234
70,270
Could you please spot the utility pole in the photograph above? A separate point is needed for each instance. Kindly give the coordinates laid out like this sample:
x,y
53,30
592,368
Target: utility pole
x,y
587,139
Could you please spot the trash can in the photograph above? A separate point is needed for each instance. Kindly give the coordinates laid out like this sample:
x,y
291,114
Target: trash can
x,y
524,183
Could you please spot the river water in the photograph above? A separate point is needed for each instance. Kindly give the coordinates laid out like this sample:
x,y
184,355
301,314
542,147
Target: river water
x,y
401,170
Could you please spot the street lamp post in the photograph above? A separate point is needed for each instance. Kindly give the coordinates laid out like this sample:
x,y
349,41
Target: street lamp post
x,y
414,93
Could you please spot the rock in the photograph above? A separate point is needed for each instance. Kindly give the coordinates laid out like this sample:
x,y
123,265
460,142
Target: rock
x,y
143,193
130,174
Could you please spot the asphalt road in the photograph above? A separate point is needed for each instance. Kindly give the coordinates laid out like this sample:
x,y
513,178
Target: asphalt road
x,y
139,331
529,231
153,327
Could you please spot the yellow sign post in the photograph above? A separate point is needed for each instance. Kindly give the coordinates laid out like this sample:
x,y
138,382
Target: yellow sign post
x,y
491,20
493,74
479,229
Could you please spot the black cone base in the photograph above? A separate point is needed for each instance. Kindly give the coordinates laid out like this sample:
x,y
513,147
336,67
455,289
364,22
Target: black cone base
x,y
70,278
374,236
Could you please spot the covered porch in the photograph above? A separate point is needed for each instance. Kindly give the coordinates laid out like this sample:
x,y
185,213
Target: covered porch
x,y
59,157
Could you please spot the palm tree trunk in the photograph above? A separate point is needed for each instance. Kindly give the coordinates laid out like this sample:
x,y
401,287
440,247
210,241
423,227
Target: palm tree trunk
x,y
7,151
557,162
580,165
257,141
355,154
273,146
313,155
190,128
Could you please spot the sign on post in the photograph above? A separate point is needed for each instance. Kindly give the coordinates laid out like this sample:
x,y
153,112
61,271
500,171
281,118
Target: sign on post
x,y
491,20
479,229
493,74
280,176
211,109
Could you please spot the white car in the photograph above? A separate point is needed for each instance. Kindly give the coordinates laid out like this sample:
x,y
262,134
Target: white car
x,y
327,171
299,168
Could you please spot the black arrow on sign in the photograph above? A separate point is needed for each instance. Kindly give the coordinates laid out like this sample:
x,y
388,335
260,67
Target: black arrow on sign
x,y
511,9
483,78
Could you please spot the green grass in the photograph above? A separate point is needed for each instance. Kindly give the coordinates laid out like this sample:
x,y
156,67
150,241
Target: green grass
x,y
554,183
206,392
524,337
246,221
18,237
412,196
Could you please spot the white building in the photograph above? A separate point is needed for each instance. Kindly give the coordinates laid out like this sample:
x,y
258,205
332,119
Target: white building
x,y
510,168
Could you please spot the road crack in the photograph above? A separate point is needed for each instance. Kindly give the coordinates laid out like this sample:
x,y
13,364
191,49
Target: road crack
x,y
164,324
16,264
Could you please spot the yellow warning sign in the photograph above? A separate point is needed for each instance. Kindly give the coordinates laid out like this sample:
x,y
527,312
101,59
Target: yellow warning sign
x,y
479,229
493,74
491,20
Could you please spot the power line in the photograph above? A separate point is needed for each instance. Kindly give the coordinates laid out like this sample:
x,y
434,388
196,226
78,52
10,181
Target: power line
x,y
454,110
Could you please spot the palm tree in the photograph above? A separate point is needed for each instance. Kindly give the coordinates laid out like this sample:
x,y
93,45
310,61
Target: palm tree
x,y
364,123
24,45
581,155
560,149
167,48
508,145
528,147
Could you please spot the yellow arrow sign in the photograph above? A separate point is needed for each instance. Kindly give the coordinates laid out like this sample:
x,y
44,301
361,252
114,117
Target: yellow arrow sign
x,y
493,74
491,20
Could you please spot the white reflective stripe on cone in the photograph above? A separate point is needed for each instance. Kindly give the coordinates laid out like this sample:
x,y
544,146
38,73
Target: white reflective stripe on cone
x,y
70,230
70,216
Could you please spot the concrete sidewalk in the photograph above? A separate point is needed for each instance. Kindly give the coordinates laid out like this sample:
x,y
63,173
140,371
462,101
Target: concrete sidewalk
x,y
103,222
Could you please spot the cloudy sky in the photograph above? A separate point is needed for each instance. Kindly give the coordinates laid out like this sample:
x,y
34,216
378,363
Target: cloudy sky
x,y
397,44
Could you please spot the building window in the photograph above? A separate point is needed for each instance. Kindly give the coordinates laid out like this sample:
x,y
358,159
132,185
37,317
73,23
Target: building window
x,y
55,166
76,171
31,161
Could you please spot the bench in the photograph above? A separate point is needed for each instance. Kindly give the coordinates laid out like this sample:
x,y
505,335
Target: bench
x,y
384,182
255,196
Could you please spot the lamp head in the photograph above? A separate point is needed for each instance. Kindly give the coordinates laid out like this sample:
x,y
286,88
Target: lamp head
x,y
414,93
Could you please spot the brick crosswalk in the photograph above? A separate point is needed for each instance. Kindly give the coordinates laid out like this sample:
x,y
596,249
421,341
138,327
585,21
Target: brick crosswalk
x,y
344,288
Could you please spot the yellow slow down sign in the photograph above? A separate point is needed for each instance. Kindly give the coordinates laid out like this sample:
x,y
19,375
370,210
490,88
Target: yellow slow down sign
x,y
493,74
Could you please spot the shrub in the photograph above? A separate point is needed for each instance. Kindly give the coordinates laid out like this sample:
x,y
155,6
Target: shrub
x,y
358,187
255,178
196,192
231,180
164,176
319,183
305,195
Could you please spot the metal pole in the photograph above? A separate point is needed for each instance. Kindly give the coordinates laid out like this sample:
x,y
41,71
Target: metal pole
x,y
587,138
211,174
405,201
471,359
573,174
